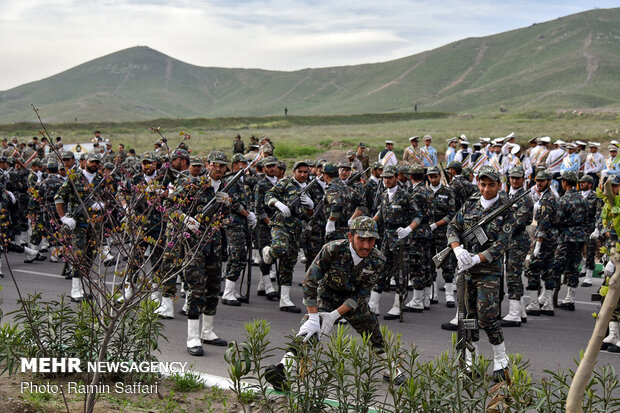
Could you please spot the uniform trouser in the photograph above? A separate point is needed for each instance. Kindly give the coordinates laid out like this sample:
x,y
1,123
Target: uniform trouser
x,y
313,244
419,270
171,264
566,263
38,229
237,236
515,261
590,253
203,279
285,247
390,247
449,265
483,305
263,238
540,267
84,243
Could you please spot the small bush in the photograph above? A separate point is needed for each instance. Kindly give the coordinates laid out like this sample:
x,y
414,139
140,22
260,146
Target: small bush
x,y
187,381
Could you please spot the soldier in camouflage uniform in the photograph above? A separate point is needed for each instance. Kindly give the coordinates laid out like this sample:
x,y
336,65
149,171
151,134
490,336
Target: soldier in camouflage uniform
x,y
45,201
78,207
34,213
18,185
240,222
586,184
400,216
481,264
461,187
286,229
518,247
314,232
443,212
264,213
202,251
373,189
337,202
418,244
572,216
545,242
336,285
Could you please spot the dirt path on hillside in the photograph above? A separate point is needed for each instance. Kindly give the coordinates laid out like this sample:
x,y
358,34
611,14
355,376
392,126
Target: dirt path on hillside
x,y
483,48
401,76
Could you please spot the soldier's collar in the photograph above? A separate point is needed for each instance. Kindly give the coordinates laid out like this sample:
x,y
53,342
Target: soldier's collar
x,y
356,258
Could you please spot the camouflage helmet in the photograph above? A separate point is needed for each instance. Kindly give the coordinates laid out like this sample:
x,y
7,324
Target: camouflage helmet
x,y
488,172
364,227
543,175
516,172
149,157
346,165
433,170
389,172
52,165
570,176
238,158
297,164
179,153
196,161
403,169
467,171
93,157
350,154
310,162
377,165
587,178
270,160
67,155
455,165
282,165
330,169
218,157
416,169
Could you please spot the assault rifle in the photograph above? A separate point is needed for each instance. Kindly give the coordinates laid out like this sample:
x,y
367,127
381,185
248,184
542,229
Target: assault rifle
x,y
211,208
377,200
465,325
296,201
401,279
445,173
477,231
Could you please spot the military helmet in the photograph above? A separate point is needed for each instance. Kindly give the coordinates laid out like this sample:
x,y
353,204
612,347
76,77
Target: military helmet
x,y
416,169
389,172
238,158
455,165
149,157
93,157
218,157
330,169
516,172
543,175
377,165
586,178
270,160
180,153
298,164
488,172
467,171
67,155
196,161
350,154
51,165
433,170
364,227
570,176
282,165
403,169
344,165
83,156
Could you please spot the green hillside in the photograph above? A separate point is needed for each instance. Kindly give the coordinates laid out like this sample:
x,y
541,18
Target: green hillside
x,y
568,63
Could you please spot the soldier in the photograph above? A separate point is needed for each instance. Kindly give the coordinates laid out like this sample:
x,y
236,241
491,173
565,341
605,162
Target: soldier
x,y
195,166
594,206
571,161
34,212
121,156
428,153
361,155
337,200
337,285
203,271
264,213
451,151
75,195
18,185
461,187
594,163
387,156
46,192
400,217
241,221
420,274
355,163
463,156
481,264
443,212
572,216
545,242
518,247
280,170
238,146
286,229
412,152
373,189
314,232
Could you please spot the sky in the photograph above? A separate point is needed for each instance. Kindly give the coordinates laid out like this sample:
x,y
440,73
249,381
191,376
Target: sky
x,y
39,38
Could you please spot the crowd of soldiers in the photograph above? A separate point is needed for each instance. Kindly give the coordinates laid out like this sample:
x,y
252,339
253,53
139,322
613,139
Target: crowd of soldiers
x,y
326,214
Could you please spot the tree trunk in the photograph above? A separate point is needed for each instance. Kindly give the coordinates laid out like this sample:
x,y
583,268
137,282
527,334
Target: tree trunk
x,y
574,400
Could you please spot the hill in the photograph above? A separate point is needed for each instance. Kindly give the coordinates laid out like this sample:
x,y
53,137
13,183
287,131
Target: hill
x,y
571,62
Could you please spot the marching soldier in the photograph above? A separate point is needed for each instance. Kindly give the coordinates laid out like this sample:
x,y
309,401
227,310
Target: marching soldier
x,y
238,146
594,206
361,155
373,189
46,193
481,264
451,151
286,229
461,187
518,247
355,163
337,202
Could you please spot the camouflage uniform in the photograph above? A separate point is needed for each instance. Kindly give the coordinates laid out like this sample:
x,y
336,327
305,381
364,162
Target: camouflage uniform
x,y
519,244
462,189
444,209
262,211
571,215
333,280
337,205
18,185
419,240
483,279
594,206
237,231
540,265
314,232
34,210
47,191
286,232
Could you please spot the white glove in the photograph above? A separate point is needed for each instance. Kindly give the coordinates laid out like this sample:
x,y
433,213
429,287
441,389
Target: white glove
x,y
463,257
327,321
596,234
403,232
69,222
433,226
330,226
536,248
286,212
609,269
475,260
191,223
222,198
252,220
10,194
97,206
306,201
349,222
311,327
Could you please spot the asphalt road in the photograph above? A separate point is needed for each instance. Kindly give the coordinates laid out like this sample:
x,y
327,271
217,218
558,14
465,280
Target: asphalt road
x,y
548,342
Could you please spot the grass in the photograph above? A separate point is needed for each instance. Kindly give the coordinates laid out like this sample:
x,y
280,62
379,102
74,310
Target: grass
x,y
187,381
